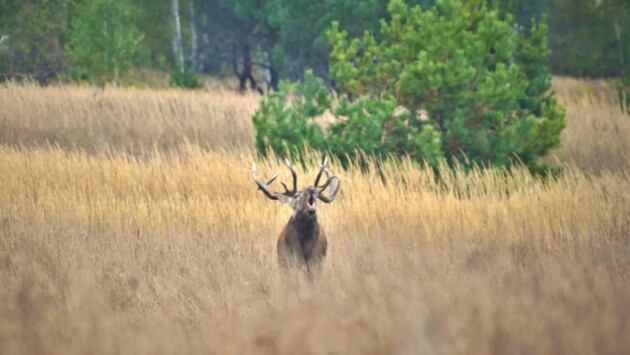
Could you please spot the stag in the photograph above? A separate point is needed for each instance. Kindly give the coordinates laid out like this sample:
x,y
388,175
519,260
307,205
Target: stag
x,y
302,241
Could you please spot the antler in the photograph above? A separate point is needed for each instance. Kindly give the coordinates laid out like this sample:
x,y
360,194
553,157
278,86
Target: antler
x,y
263,187
282,196
286,196
333,189
330,178
294,174
321,170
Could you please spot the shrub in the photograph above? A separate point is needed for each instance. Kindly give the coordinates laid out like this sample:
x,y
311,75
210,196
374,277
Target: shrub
x,y
185,79
447,82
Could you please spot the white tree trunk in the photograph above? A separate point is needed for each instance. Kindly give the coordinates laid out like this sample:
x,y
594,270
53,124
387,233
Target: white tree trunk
x,y
193,36
267,63
178,50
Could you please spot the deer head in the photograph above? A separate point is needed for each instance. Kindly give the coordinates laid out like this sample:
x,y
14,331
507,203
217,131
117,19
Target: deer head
x,y
303,201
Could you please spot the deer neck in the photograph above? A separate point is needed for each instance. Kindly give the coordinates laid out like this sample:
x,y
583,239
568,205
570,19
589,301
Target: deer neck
x,y
305,225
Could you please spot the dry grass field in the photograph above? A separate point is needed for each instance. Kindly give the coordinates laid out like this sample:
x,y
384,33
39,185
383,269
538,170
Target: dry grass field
x,y
129,224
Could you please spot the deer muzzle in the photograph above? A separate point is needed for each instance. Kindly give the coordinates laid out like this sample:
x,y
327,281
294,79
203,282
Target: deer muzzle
x,y
311,201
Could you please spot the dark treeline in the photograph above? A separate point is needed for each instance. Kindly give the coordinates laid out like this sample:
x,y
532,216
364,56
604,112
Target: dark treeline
x,y
259,41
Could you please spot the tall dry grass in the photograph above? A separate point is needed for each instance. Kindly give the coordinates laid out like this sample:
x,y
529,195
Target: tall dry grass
x,y
124,120
103,251
138,121
597,136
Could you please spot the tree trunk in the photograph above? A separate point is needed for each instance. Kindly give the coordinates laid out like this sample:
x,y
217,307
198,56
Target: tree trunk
x,y
271,74
246,74
193,36
178,50
622,64
273,78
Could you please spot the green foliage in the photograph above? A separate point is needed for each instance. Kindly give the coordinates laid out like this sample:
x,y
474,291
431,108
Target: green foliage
x,y
104,40
185,79
287,129
590,38
100,39
440,83
379,128
30,44
296,30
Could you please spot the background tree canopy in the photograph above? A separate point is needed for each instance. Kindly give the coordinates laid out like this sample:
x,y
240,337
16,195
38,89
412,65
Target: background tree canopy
x,y
262,41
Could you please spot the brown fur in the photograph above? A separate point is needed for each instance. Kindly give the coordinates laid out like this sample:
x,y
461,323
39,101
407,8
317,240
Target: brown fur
x,y
302,241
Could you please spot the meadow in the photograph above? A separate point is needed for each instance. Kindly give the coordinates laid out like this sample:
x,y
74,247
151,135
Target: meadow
x,y
130,223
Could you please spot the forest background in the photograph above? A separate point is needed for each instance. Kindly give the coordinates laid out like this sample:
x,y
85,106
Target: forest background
x,y
172,42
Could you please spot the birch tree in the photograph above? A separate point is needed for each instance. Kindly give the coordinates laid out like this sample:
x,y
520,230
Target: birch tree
x,y
193,36
178,48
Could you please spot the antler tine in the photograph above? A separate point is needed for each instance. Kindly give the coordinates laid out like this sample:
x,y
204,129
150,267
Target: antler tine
x,y
333,190
294,174
321,170
262,186
329,178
